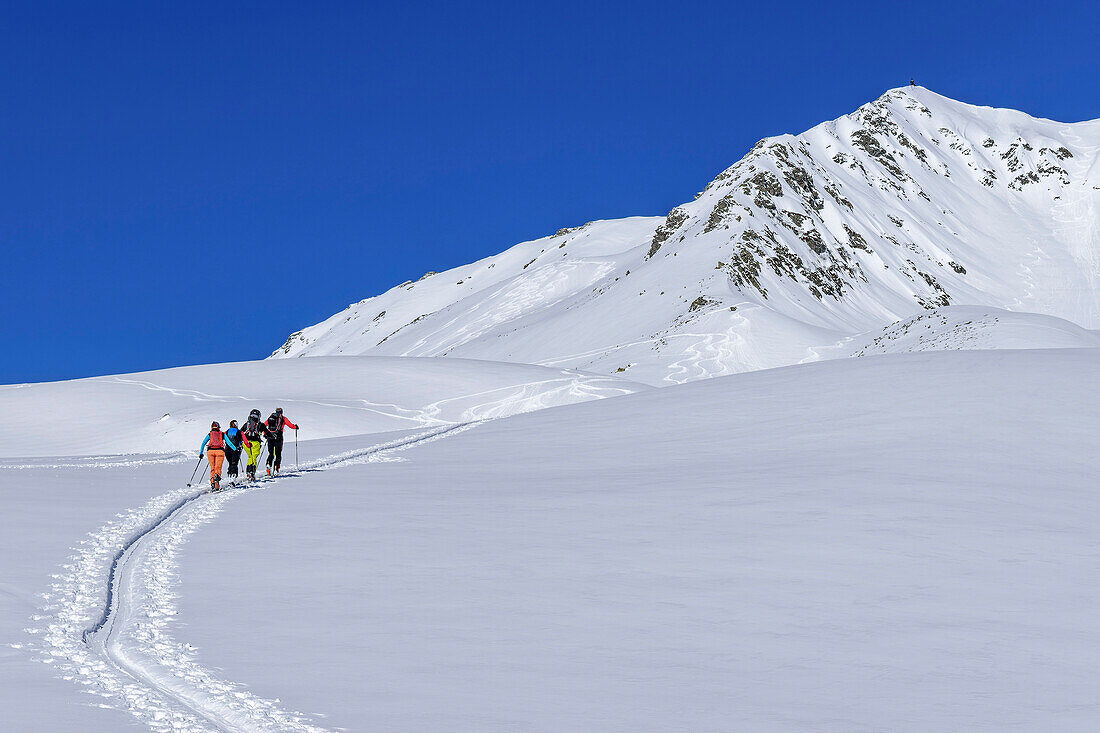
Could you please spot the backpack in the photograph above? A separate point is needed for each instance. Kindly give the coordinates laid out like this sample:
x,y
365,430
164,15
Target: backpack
x,y
216,441
252,428
273,424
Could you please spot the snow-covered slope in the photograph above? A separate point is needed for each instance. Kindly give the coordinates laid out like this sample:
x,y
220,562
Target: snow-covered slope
x,y
902,542
914,201
171,409
959,327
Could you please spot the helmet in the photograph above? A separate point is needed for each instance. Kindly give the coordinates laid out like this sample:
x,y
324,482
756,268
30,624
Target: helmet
x,y
232,423
278,411
214,425
255,413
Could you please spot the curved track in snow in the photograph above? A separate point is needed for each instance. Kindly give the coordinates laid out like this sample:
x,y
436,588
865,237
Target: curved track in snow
x,y
108,618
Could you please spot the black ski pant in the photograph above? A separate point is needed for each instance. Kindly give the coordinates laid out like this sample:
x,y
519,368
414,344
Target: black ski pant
x,y
232,461
275,451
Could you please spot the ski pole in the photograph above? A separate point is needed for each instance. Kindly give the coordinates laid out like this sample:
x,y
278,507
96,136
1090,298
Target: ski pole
x,y
204,472
295,449
194,472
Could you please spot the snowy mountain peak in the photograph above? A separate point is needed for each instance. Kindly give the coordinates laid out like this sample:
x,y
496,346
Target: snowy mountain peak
x,y
912,202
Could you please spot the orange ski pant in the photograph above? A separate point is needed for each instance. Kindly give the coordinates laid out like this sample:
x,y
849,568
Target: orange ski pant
x,y
216,457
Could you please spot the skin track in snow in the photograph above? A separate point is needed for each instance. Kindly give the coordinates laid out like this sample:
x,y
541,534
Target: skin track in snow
x,y
128,655
743,551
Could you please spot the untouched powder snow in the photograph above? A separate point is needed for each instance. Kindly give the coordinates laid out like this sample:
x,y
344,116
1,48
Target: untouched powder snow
x,y
899,542
912,202
892,543
171,409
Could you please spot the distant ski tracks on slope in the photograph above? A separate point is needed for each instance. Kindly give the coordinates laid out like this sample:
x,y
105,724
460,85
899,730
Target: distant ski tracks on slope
x,y
506,399
716,349
385,409
106,621
521,296
100,462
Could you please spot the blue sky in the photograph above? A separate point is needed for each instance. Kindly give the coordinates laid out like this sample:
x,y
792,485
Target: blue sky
x,y
186,183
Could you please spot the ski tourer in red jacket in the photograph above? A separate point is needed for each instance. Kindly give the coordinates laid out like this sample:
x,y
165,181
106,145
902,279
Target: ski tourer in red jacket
x,y
273,431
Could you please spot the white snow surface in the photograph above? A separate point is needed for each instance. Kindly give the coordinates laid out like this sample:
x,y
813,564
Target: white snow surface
x,y
960,327
171,409
912,202
898,542
896,530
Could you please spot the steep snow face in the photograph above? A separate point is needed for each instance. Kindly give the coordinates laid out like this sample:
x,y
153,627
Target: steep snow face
x,y
526,304
913,202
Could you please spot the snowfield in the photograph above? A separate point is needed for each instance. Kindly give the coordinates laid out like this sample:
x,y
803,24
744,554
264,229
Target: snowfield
x,y
171,409
864,499
901,542
961,327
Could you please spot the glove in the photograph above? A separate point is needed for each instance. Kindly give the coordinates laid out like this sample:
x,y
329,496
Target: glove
x,y
200,454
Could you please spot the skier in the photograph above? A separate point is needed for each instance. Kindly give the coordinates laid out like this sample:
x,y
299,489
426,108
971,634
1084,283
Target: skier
x,y
251,433
215,454
233,455
273,431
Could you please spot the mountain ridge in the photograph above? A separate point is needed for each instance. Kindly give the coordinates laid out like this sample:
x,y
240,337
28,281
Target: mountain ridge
x,y
913,202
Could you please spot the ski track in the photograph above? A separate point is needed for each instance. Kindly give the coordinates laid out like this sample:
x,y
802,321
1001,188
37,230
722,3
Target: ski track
x,y
717,349
721,350
526,397
115,461
106,621
527,293
520,397
190,393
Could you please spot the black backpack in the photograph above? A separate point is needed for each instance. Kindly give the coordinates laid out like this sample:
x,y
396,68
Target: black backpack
x,y
273,425
252,428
